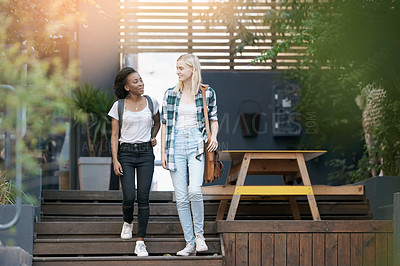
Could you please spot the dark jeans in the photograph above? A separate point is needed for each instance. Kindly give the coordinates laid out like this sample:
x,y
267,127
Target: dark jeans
x,y
140,157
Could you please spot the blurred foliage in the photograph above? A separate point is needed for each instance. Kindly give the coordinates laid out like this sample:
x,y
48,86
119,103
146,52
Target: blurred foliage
x,y
42,25
91,109
342,171
386,137
39,80
8,192
348,45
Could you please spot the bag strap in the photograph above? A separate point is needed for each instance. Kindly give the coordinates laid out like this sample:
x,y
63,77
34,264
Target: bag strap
x,y
203,92
151,107
150,101
121,107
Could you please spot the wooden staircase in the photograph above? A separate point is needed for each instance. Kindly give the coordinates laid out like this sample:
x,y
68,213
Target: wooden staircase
x,y
83,228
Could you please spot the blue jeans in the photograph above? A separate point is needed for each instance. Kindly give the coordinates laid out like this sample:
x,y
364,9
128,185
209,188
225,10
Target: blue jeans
x,y
137,157
188,188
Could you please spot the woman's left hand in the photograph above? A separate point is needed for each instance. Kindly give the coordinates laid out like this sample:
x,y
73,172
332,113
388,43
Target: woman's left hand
x,y
153,142
213,145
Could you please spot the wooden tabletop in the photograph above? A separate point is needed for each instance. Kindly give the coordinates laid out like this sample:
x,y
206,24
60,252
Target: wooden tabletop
x,y
229,155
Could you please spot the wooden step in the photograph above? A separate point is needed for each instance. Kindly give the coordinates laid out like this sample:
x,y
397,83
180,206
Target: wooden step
x,y
110,209
75,205
130,260
287,216
305,217
166,196
320,198
110,229
106,196
114,246
104,218
254,208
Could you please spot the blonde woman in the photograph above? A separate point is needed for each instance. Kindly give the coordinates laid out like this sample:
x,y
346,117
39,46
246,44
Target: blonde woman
x,y
183,134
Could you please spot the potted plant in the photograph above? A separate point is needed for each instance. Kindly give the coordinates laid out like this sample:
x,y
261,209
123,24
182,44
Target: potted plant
x,y
91,111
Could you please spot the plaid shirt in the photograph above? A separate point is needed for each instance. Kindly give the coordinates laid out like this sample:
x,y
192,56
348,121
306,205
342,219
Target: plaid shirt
x,y
170,107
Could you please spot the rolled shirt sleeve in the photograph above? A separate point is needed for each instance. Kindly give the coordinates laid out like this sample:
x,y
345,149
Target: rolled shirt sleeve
x,y
212,106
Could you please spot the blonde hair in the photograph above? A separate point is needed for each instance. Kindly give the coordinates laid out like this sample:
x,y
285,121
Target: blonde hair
x,y
192,61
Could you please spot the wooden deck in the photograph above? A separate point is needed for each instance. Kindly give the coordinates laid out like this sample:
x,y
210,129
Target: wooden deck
x,y
307,242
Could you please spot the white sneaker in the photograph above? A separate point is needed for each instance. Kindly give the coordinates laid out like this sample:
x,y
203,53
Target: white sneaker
x,y
187,251
126,231
201,243
140,249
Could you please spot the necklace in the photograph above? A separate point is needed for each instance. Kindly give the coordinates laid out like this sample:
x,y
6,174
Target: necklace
x,y
136,108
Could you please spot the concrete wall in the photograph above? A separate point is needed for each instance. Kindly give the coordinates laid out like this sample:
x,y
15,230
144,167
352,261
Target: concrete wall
x,y
21,234
379,191
12,256
98,43
97,51
234,87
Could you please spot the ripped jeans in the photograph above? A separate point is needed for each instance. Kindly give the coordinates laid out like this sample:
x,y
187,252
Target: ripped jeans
x,y
187,181
140,157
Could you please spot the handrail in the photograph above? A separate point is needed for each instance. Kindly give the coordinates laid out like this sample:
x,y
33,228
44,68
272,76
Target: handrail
x,y
20,132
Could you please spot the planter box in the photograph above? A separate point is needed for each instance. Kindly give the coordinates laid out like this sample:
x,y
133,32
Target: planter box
x,y
11,256
21,234
94,173
379,191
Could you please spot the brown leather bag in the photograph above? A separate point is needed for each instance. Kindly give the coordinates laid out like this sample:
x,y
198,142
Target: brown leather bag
x,y
213,167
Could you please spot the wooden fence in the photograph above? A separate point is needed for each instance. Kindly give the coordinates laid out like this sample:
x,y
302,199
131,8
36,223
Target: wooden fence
x,y
307,242
151,26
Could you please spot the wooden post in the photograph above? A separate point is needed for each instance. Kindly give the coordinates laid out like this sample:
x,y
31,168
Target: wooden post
x,y
396,229
306,181
292,201
240,182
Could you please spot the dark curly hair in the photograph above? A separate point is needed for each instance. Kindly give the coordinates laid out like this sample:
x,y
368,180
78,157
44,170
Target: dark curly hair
x,y
120,82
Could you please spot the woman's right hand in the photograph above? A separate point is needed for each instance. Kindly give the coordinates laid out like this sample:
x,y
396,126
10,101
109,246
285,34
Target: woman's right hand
x,y
164,160
117,168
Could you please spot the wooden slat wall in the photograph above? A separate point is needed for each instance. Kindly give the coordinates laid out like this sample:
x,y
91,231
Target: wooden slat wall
x,y
267,243
148,26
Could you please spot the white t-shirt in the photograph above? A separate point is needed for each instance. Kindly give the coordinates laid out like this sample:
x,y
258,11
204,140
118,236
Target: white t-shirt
x,y
187,116
136,126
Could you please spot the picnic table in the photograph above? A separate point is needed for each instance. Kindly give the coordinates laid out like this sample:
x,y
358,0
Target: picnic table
x,y
291,165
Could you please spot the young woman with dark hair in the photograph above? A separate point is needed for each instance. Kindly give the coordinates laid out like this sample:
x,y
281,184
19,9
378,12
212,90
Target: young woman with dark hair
x,y
132,150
